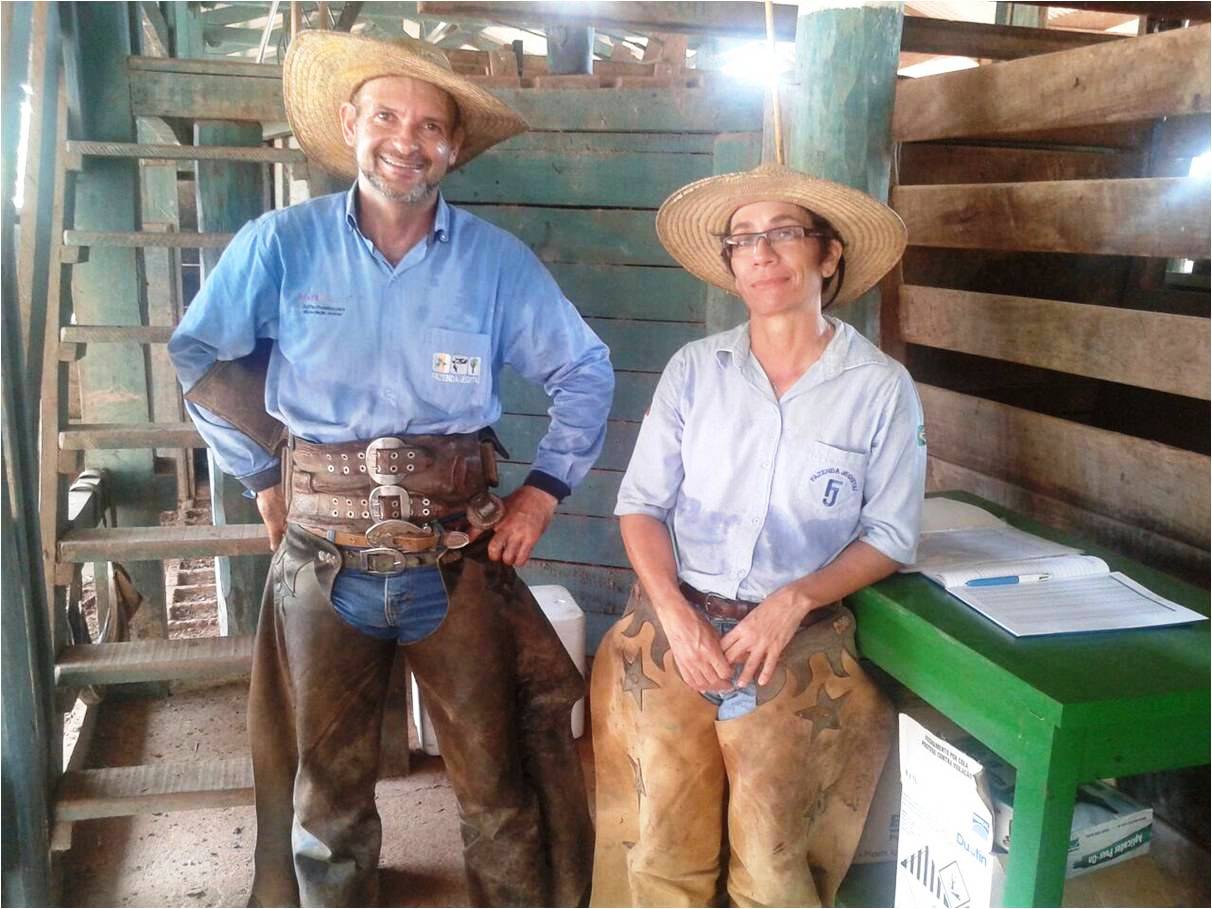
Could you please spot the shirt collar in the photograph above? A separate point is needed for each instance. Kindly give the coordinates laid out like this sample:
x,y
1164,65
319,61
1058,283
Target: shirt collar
x,y
847,349
441,219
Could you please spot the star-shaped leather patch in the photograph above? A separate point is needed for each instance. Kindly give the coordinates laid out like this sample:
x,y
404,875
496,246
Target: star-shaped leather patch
x,y
635,682
825,714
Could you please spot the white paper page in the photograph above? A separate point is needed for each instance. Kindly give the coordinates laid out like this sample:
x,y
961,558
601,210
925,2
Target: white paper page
x,y
1056,568
939,515
1110,601
968,548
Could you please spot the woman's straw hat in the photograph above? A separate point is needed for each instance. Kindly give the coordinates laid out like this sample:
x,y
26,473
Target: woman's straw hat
x,y
691,222
323,69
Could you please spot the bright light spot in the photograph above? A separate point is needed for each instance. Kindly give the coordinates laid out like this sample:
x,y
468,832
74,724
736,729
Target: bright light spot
x,y
936,66
752,62
1201,165
22,148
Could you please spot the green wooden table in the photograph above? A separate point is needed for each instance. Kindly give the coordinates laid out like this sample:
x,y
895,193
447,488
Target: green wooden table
x,y
1063,709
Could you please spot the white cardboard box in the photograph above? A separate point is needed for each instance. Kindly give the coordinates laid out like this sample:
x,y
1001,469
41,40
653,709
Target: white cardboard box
x,y
956,817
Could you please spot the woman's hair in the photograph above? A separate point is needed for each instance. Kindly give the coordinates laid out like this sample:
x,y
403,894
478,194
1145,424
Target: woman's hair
x,y
835,280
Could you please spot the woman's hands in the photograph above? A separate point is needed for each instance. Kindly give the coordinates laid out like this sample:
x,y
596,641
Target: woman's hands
x,y
695,646
760,638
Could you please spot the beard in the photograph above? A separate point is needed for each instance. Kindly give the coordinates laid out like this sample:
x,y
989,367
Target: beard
x,y
421,192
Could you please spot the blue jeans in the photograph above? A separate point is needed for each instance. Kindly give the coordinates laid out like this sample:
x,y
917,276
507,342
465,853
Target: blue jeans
x,y
405,607
736,701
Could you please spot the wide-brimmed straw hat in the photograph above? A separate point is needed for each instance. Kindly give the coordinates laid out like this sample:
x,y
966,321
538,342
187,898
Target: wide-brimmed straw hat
x,y
691,222
323,69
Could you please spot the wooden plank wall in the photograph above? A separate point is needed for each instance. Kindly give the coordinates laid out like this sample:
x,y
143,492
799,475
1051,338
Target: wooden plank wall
x,y
1060,373
581,190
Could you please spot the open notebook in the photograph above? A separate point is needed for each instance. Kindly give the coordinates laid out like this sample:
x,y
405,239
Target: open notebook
x,y
1028,585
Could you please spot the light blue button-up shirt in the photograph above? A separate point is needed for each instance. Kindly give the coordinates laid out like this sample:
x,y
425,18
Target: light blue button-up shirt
x,y
364,349
758,491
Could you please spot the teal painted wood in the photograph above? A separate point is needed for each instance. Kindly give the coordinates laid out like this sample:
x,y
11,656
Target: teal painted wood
x,y
589,236
228,195
632,292
593,497
572,537
731,153
598,142
604,179
840,123
521,435
632,395
1062,709
644,346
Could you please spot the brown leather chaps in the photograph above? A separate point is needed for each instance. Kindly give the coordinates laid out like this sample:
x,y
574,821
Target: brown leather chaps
x,y
499,688
786,787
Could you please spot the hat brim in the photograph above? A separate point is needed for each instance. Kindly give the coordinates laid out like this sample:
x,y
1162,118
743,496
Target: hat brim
x,y
323,69
692,220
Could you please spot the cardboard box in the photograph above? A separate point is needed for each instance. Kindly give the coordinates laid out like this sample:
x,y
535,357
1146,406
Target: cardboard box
x,y
956,819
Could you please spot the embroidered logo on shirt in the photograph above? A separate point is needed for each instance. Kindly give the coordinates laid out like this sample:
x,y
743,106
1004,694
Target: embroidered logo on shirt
x,y
448,367
838,480
320,305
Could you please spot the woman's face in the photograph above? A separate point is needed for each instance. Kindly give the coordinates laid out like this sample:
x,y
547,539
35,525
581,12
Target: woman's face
x,y
784,276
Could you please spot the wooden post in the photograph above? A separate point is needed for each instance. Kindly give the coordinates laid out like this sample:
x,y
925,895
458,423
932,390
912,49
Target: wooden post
x,y
229,195
107,291
569,50
840,118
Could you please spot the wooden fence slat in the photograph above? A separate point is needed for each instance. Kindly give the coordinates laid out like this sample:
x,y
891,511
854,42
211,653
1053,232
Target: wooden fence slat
x,y
521,435
1154,486
572,537
933,163
123,791
584,235
90,436
1164,217
1148,349
595,496
1145,78
597,589
632,395
632,292
645,346
599,142
152,660
138,544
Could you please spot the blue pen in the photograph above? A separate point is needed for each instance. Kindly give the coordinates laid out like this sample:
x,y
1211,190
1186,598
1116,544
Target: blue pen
x,y
1007,579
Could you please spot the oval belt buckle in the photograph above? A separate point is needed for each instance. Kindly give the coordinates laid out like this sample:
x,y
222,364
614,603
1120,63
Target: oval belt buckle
x,y
387,459
384,532
382,508
455,539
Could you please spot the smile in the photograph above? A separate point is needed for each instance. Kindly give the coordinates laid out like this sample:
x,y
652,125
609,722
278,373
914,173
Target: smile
x,y
404,165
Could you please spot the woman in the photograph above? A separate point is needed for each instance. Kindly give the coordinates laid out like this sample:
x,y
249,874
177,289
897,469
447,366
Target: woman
x,y
780,467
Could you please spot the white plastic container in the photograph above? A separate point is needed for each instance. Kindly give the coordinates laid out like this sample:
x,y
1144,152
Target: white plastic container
x,y
567,619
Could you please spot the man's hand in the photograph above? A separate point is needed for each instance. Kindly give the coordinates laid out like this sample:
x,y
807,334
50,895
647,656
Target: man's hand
x,y
760,637
272,505
696,648
528,512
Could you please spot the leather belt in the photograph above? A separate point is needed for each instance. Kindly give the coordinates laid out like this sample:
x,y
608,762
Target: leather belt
x,y
718,607
385,549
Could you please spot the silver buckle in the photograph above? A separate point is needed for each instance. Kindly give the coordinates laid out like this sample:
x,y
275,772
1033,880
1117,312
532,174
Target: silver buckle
x,y
373,560
382,533
394,463
375,506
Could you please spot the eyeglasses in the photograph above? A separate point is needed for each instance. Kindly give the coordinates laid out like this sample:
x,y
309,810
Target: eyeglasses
x,y
746,244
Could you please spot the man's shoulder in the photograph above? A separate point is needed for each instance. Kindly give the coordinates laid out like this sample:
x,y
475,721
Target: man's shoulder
x,y
469,226
303,214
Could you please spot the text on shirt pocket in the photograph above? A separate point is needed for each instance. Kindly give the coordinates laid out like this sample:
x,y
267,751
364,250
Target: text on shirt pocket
x,y
835,478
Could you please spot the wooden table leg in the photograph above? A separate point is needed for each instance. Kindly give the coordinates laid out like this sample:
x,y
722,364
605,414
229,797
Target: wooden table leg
x,y
1044,794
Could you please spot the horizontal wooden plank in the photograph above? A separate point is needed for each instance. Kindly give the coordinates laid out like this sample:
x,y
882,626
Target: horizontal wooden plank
x,y
644,346
521,435
149,788
89,436
597,589
1153,486
199,66
933,163
1165,74
632,292
579,538
133,544
206,96
594,496
607,179
1165,217
152,661
1148,349
632,395
138,239
598,142
105,334
255,154
581,235
944,37
1161,552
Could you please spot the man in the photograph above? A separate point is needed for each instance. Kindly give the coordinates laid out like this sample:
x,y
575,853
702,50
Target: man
x,y
390,315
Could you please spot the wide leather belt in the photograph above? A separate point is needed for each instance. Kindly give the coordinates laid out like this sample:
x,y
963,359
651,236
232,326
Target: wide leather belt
x,y
392,546
718,607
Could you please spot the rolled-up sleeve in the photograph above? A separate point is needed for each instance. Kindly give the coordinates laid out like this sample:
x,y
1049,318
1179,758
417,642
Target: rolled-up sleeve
x,y
654,475
896,475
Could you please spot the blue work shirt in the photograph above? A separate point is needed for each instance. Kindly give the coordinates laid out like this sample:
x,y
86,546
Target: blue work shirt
x,y
758,491
366,349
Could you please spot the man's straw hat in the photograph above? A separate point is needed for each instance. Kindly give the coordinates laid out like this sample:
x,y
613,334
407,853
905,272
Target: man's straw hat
x,y
692,220
323,69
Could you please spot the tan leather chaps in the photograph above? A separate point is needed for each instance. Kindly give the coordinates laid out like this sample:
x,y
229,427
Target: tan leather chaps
x,y
499,688
786,787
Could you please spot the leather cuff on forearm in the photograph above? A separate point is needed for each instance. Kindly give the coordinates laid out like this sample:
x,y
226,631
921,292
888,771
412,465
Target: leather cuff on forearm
x,y
270,476
549,484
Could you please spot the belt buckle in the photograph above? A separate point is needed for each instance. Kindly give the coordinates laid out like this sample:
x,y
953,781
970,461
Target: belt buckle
x,y
381,534
375,505
388,459
373,559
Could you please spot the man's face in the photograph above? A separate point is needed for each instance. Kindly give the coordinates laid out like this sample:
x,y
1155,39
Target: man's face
x,y
784,275
403,135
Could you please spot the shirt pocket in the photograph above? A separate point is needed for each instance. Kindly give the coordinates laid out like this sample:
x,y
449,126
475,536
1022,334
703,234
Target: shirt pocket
x,y
458,370
835,481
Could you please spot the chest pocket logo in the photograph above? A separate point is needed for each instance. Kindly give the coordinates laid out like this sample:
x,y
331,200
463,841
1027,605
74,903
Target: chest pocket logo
x,y
836,478
838,481
456,367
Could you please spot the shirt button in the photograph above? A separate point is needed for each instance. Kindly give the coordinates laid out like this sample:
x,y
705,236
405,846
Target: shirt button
x,y
765,465
755,521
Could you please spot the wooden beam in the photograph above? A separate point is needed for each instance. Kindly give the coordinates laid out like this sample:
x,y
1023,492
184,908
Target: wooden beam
x,y
933,163
1163,9
140,544
1153,486
102,334
1143,78
152,661
124,791
1165,217
943,37
1148,349
92,436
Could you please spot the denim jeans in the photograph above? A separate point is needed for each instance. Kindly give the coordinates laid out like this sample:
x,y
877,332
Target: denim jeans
x,y
736,701
406,607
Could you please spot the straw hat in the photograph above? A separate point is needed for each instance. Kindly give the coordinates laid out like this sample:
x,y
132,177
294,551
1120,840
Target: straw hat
x,y
323,69
692,220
